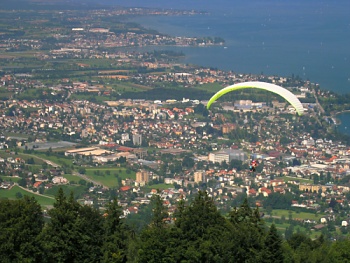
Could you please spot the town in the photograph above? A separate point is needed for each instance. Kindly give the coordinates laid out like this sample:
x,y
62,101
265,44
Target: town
x,y
78,113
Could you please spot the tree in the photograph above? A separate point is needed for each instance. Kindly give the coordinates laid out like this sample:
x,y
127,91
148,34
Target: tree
x,y
82,170
21,222
22,182
204,231
339,252
115,241
289,232
19,195
74,232
154,238
249,232
187,162
273,251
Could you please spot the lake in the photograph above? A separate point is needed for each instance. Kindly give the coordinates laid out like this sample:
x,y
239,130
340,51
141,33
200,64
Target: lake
x,y
309,39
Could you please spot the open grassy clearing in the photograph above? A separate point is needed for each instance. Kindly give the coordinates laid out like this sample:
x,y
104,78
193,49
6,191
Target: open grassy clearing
x,y
107,180
290,178
148,188
114,71
109,176
126,86
55,159
211,87
24,54
142,87
296,215
4,93
78,191
99,99
23,156
11,194
9,178
97,63
281,228
13,134
29,94
72,178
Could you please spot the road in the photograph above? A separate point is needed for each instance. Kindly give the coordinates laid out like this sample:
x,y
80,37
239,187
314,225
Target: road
x,y
82,176
318,104
36,193
44,160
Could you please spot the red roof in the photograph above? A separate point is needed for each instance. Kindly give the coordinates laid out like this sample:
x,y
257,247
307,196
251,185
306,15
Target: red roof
x,y
266,190
110,145
125,149
252,191
125,188
37,184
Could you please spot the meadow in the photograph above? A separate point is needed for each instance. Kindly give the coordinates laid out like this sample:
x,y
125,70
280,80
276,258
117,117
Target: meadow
x,y
72,178
11,194
296,215
109,176
78,191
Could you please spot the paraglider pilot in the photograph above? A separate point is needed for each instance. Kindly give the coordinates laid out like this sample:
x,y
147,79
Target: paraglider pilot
x,y
253,165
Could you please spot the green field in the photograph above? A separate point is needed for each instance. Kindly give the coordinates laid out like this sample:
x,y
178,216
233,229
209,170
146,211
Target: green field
x,y
26,156
11,194
295,215
281,228
23,156
302,180
148,188
72,178
99,99
13,134
10,178
126,86
108,176
211,87
57,160
78,191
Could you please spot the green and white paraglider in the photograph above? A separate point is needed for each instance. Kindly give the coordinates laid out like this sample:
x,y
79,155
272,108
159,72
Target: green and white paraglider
x,y
286,94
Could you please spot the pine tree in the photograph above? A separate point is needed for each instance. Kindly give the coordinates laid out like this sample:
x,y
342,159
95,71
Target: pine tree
x,y
273,251
21,222
153,243
204,231
73,233
249,231
115,234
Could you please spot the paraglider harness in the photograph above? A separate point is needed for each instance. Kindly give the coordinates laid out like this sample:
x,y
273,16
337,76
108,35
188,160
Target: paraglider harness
x,y
253,165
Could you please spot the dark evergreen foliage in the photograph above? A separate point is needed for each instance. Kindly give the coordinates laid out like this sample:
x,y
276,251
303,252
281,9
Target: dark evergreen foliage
x,y
21,222
197,232
273,251
115,238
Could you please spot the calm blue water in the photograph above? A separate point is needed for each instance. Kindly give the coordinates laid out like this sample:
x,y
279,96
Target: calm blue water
x,y
345,123
310,39
306,38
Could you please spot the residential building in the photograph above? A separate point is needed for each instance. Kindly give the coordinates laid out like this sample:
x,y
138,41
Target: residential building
x,y
142,176
199,176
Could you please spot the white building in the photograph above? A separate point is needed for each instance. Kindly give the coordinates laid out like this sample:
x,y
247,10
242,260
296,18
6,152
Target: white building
x,y
137,139
227,155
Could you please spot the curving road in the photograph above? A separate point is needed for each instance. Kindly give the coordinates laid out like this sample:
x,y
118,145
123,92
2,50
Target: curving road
x,y
36,193
82,176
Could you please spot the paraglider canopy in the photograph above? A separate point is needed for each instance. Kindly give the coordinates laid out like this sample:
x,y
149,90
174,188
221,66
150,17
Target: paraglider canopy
x,y
286,94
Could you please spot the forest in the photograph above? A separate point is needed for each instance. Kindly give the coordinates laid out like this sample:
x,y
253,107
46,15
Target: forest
x,y
196,232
